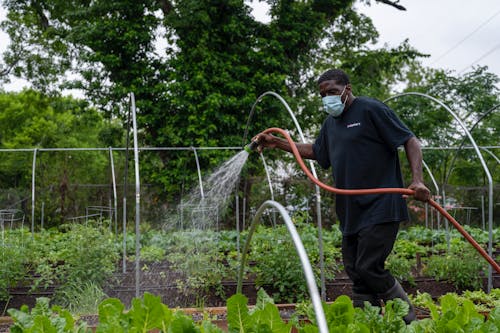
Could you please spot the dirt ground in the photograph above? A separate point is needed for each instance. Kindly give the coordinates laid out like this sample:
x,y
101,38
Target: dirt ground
x,y
161,281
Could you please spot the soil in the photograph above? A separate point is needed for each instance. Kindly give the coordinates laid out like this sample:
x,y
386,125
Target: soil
x,y
161,281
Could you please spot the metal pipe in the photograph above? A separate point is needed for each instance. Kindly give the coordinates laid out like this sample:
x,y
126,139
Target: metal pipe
x,y
237,217
137,200
125,193
3,150
113,179
42,214
491,154
199,172
33,180
434,182
269,182
299,247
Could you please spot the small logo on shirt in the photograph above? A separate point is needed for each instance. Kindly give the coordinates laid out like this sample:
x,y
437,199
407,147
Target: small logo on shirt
x,y
353,125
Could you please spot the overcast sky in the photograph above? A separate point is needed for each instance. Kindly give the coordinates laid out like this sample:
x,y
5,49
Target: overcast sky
x,y
455,33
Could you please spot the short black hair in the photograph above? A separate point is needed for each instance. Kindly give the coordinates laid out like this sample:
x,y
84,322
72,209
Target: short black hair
x,y
337,75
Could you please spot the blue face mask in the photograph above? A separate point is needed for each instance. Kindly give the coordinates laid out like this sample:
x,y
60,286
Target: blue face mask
x,y
333,104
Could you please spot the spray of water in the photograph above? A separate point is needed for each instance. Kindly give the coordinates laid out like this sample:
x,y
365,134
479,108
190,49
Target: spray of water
x,y
201,210
195,227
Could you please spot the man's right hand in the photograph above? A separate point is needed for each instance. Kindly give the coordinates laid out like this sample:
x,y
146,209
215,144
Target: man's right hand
x,y
265,140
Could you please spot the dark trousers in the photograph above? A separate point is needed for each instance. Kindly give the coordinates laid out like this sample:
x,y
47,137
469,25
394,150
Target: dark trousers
x,y
364,255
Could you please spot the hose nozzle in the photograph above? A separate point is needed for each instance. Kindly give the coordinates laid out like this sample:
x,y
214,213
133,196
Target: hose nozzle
x,y
251,146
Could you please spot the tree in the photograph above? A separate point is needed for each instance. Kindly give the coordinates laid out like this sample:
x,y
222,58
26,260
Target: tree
x,y
32,120
470,96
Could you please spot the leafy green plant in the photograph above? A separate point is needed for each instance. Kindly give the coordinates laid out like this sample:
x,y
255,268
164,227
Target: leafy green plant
x,y
277,266
483,302
43,318
455,317
462,266
152,253
82,254
409,249
148,313
13,260
341,316
195,255
264,317
401,268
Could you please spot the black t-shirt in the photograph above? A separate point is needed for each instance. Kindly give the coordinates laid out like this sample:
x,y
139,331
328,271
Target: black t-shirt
x,y
361,147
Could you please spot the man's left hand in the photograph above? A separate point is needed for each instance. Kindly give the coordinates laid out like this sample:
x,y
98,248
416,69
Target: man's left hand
x,y
422,193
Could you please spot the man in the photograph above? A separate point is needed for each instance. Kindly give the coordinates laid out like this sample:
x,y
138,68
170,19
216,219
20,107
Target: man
x,y
359,140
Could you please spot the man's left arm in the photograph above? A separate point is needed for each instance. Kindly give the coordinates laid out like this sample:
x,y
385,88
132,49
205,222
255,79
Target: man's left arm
x,y
414,156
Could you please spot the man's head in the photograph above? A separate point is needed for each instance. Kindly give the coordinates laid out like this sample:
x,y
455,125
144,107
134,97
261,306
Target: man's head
x,y
336,75
335,89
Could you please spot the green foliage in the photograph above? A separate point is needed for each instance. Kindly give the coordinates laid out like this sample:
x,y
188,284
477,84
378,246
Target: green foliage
x,y
13,268
483,302
146,314
341,316
285,277
462,266
195,254
402,260
149,313
84,258
30,119
454,317
152,253
81,255
401,268
264,317
422,236
408,249
469,96
43,318
80,298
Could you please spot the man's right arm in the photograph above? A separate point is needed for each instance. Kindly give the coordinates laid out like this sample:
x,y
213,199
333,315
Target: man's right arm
x,y
270,141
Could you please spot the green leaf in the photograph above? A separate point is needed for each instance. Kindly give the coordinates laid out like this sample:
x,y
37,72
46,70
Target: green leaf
x,y
262,300
67,318
21,318
494,317
112,317
269,317
237,313
147,313
309,328
208,327
43,324
396,308
182,324
340,312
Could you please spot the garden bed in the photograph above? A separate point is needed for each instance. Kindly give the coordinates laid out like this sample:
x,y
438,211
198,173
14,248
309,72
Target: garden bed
x,y
124,289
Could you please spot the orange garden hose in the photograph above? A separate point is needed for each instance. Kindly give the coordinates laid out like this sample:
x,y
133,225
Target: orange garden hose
x,y
405,191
